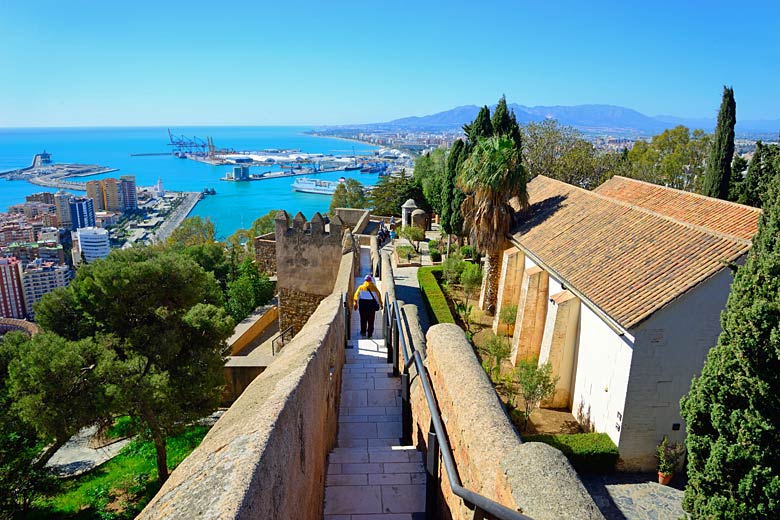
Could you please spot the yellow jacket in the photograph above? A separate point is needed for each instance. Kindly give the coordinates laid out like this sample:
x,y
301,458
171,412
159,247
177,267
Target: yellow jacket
x,y
367,286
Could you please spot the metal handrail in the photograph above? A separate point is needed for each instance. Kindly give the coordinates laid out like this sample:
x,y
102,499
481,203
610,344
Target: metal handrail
x,y
437,438
280,336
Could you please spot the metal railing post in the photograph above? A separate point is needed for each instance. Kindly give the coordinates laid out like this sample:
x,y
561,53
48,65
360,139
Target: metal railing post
x,y
347,323
432,475
389,342
406,410
396,344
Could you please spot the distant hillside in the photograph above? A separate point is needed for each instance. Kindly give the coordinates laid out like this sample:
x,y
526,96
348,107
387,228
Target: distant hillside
x,y
590,119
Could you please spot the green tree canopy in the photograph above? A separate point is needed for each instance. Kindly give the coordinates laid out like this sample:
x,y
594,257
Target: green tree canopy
x,y
560,152
155,312
452,196
491,177
480,127
675,158
429,173
763,167
191,232
718,175
733,409
389,194
349,194
58,387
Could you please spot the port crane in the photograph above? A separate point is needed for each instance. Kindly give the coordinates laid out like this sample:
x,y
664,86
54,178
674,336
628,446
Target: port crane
x,y
185,145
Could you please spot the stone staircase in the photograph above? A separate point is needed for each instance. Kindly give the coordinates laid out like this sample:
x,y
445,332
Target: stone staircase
x,y
370,475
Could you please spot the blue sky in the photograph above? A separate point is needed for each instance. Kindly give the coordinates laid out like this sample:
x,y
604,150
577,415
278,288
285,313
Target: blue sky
x,y
166,62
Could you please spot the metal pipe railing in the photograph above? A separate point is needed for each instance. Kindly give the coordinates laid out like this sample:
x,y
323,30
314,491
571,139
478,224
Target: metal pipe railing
x,y
437,436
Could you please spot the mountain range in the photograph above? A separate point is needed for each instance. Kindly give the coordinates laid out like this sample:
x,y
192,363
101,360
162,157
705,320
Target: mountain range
x,y
589,119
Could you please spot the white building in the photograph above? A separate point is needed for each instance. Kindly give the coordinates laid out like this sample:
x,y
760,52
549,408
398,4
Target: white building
x,y
92,243
41,277
621,290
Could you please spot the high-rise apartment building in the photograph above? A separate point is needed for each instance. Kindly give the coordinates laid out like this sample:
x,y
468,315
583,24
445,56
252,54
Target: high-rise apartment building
x,y
62,204
82,212
46,197
129,194
115,200
16,231
90,243
96,193
114,194
41,277
11,289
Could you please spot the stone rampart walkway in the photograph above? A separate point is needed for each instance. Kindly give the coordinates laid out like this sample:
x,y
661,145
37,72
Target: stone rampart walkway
x,y
370,475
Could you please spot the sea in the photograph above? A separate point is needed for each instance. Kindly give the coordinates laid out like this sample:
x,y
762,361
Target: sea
x,y
235,205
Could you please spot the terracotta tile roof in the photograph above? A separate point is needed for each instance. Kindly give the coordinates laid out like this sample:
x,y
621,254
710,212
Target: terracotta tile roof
x,y
718,215
627,260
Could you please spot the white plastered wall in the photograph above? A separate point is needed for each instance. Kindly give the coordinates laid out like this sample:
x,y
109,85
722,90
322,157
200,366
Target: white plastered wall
x,y
671,347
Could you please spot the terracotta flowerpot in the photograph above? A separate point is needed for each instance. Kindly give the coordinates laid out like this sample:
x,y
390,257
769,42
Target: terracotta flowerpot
x,y
664,478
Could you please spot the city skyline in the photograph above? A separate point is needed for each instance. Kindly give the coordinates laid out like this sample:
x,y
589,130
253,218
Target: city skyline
x,y
303,63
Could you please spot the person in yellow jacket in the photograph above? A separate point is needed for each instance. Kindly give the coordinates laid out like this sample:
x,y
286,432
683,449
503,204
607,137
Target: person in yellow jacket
x,y
367,300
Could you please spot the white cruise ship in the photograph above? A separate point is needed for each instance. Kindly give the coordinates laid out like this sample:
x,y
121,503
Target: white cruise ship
x,y
307,185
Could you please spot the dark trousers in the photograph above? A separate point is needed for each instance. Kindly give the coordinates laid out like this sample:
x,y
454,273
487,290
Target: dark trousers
x,y
366,317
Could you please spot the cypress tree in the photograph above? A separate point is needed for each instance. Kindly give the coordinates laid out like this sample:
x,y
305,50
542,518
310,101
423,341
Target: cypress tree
x,y
733,408
718,175
502,124
762,168
480,127
449,218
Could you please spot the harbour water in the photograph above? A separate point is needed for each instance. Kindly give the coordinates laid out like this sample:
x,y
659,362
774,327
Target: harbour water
x,y
236,204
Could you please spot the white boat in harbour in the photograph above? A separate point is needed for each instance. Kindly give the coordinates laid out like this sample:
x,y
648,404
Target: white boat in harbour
x,y
307,185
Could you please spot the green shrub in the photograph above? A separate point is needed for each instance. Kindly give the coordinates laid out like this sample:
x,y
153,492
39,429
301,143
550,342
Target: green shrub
x,y
587,452
405,252
435,254
433,244
467,251
435,302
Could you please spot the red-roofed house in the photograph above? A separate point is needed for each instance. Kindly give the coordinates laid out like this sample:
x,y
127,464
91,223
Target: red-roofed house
x,y
621,289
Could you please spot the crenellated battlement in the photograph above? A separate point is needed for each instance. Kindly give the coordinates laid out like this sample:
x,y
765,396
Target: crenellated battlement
x,y
315,231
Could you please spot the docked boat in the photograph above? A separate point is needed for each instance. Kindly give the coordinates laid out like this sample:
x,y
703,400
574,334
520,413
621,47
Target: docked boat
x,y
351,167
306,185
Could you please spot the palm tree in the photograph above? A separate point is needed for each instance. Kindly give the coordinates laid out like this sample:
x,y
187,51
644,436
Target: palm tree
x,y
490,177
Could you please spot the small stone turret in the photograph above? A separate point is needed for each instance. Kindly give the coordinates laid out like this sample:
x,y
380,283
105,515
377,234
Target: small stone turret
x,y
307,257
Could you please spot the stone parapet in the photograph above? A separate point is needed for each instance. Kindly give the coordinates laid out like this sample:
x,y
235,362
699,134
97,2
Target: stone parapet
x,y
266,457
353,218
490,456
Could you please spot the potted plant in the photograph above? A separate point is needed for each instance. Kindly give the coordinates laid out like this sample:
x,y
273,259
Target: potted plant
x,y
669,455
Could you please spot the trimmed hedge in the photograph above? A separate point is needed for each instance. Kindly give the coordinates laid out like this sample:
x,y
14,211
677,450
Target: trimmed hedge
x,y
587,452
435,254
435,302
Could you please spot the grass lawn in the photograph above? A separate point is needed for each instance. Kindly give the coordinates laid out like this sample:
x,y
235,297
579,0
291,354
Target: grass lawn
x,y
121,487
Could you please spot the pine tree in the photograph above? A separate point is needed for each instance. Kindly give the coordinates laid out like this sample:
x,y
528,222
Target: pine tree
x,y
718,175
733,408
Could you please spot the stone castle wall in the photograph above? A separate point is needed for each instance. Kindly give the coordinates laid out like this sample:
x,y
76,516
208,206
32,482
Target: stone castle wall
x,y
533,478
295,308
266,457
307,263
265,253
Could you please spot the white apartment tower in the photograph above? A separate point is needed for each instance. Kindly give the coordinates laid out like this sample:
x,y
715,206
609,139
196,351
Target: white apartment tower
x,y
91,242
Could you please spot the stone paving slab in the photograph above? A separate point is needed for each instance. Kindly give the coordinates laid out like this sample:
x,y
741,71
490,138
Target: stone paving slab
x,y
369,476
634,496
